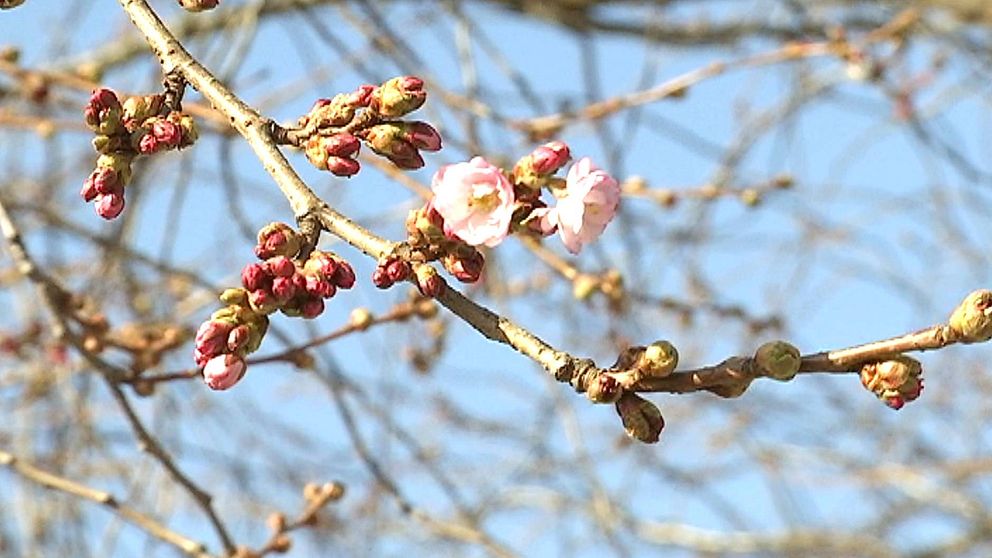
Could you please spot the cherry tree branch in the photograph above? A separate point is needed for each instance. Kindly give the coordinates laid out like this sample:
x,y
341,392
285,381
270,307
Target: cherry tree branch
x,y
142,521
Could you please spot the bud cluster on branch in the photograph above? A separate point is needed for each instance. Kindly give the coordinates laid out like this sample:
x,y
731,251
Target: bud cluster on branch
x,y
283,281
141,125
331,134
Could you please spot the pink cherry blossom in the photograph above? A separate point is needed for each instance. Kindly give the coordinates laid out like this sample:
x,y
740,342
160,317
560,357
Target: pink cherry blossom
x,y
589,203
476,201
223,371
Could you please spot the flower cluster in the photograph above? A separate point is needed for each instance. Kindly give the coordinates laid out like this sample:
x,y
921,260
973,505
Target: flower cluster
x,y
476,204
140,125
896,381
334,128
278,282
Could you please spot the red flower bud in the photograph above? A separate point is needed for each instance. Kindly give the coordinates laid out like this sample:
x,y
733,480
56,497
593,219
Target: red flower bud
x,y
397,270
109,206
380,278
422,135
255,277
550,157
341,145
280,266
312,307
166,133
429,282
320,287
344,275
340,166
283,288
465,269
211,339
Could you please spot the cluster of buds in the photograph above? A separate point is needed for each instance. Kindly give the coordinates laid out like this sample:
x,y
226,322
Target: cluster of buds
x,y
334,128
335,153
223,341
293,288
278,282
140,125
429,240
895,381
198,5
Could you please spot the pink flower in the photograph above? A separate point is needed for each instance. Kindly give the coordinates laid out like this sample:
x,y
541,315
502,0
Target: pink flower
x,y
223,371
589,204
476,201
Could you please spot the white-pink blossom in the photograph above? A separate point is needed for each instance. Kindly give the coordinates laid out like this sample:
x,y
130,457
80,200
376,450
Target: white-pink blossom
x,y
588,204
476,201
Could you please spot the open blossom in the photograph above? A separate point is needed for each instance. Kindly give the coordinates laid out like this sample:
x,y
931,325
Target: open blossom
x,y
476,201
589,203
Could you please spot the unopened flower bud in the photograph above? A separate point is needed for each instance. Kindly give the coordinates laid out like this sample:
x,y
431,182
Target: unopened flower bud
x,y
255,277
280,266
103,112
236,296
641,418
380,278
360,318
223,371
340,166
312,307
278,239
211,339
895,381
604,388
429,282
109,206
198,5
276,522
533,169
9,4
421,135
320,287
166,132
658,360
778,360
344,275
237,338
342,145
262,301
971,321
389,140
466,269
398,96
137,109
398,270
283,288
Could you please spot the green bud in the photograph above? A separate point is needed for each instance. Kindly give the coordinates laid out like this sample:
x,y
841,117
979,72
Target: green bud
x,y
971,321
658,360
778,360
238,296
